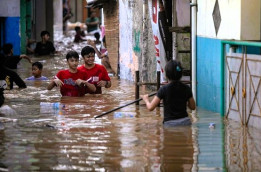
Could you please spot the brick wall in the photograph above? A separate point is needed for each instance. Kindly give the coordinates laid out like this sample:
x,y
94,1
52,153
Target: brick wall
x,y
111,22
84,11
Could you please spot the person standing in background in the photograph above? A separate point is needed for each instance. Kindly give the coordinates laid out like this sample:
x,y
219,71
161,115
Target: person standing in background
x,y
67,14
92,23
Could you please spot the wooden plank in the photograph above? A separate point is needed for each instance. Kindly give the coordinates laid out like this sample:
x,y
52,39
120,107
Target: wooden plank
x,y
180,29
184,51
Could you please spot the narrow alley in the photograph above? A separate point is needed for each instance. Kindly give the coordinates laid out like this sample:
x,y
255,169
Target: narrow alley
x,y
220,61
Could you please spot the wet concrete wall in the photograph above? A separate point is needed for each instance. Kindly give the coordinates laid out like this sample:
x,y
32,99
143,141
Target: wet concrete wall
x,y
128,60
44,19
147,61
136,47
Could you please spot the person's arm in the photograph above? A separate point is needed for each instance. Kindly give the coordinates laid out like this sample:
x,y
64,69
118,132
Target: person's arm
x,y
90,86
55,82
26,57
51,85
106,84
28,45
67,17
191,103
105,54
150,105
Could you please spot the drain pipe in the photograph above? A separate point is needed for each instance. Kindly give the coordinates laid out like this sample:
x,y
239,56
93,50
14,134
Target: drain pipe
x,y
193,6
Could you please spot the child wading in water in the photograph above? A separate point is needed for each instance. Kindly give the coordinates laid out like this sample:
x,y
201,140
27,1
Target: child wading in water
x,y
176,96
37,68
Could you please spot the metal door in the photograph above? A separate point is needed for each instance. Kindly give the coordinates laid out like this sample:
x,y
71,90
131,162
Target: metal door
x,y
234,80
253,90
243,88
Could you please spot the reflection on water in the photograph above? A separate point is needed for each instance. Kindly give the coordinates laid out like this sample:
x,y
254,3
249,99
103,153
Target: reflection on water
x,y
243,149
42,131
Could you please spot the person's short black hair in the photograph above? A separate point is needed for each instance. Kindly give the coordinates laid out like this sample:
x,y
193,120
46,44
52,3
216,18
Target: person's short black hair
x,y
72,54
45,32
39,65
7,48
97,35
173,70
87,50
77,28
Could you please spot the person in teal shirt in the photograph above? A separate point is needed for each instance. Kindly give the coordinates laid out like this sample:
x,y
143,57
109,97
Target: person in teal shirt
x,y
92,23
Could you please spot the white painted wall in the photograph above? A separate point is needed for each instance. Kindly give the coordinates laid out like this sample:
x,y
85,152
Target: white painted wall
x,y
230,19
9,8
240,19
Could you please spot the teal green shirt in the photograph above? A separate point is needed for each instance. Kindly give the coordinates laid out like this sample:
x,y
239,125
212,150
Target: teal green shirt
x,y
92,27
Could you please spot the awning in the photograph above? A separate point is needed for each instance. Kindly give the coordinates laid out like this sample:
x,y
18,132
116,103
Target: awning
x,y
96,3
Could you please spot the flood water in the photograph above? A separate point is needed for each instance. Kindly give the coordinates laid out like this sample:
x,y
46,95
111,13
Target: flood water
x,y
42,131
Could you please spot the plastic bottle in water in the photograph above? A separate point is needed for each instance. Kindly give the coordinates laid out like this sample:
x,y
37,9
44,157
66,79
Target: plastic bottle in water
x,y
123,115
58,105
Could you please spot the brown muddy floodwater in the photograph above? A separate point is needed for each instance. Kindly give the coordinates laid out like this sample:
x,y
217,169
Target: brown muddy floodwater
x,y
42,131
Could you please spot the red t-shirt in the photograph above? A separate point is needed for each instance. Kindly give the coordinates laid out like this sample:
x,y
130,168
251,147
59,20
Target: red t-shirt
x,y
96,74
70,88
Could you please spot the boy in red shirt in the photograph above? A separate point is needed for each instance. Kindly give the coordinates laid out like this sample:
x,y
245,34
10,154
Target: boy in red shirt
x,y
96,74
72,82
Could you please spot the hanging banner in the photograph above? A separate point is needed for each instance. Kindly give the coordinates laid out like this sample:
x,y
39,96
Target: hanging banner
x,y
159,48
